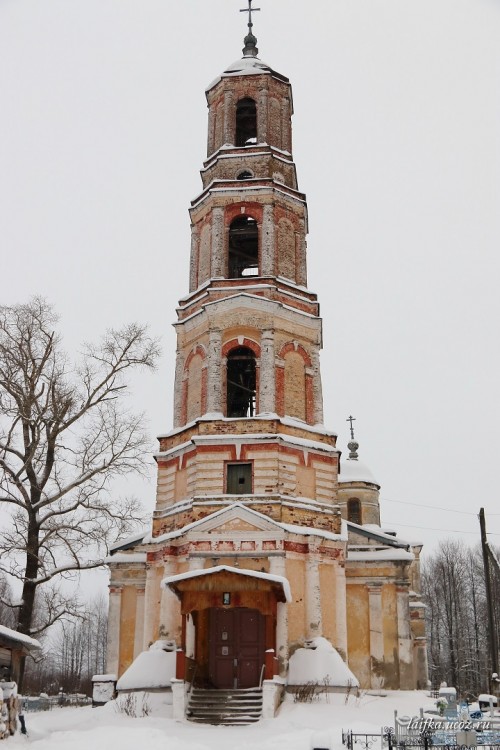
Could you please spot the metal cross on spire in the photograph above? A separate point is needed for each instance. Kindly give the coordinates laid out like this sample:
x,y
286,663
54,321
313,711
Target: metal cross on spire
x,y
351,420
249,10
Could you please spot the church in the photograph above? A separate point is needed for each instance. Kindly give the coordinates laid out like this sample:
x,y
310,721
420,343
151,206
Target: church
x,y
265,539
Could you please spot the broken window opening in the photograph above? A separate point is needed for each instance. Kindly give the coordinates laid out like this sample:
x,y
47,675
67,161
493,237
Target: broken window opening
x,y
246,122
241,382
354,510
243,248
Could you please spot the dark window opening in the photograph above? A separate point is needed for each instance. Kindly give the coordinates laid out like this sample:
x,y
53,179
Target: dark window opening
x,y
245,175
246,122
243,248
241,382
354,510
239,479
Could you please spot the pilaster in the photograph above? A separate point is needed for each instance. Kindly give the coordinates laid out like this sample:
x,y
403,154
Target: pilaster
x,y
314,624
214,384
277,567
376,633
267,373
218,243
404,636
268,259
113,645
139,623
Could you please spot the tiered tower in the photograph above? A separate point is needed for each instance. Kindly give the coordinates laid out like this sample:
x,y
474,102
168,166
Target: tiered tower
x,y
247,555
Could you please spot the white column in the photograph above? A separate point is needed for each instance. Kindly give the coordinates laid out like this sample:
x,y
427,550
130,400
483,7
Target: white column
x,y
113,645
376,631
267,256
150,601
277,567
217,270
169,606
214,374
314,625
267,385
340,611
139,623
404,636
196,563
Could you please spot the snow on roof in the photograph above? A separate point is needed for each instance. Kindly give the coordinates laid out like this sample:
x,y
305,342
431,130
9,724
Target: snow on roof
x,y
319,429
319,663
13,635
290,528
250,438
129,540
375,532
392,554
354,470
281,580
150,669
245,66
111,677
124,557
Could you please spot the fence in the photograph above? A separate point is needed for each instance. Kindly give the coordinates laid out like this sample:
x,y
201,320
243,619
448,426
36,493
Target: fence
x,y
46,702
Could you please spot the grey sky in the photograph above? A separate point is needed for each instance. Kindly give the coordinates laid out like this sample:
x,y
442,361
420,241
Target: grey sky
x,y
396,141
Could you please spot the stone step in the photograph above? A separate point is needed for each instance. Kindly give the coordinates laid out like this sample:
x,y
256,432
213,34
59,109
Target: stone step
x,y
230,701
228,707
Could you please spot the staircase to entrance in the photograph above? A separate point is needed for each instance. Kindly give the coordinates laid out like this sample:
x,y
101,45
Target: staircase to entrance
x,y
230,707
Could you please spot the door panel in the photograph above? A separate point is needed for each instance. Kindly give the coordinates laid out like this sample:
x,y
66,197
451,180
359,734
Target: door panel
x,y
237,647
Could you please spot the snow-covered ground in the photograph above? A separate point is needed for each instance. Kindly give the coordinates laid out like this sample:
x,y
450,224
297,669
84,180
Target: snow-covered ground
x,y
294,728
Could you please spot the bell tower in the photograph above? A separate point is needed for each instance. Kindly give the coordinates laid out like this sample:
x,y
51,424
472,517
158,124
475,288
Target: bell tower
x,y
248,331
248,558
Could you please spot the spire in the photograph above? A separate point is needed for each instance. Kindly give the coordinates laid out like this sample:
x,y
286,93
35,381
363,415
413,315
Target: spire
x,y
353,445
250,48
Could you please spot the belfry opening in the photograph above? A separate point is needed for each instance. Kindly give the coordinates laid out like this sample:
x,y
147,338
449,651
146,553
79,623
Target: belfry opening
x,y
241,382
246,122
243,256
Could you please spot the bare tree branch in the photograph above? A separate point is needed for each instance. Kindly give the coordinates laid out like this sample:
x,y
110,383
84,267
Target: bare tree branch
x,y
65,435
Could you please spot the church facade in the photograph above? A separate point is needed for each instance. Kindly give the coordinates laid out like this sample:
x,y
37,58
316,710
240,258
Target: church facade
x,y
263,537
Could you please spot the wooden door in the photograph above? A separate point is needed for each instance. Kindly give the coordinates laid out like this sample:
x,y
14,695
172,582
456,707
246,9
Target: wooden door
x,y
236,647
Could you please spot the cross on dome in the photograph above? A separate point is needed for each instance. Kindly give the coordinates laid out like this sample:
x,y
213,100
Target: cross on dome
x,y
250,48
353,445
249,10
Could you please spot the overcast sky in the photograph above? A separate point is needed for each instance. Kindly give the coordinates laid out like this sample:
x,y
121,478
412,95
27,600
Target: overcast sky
x,y
396,140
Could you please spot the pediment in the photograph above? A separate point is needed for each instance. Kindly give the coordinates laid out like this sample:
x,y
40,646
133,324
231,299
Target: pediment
x,y
234,519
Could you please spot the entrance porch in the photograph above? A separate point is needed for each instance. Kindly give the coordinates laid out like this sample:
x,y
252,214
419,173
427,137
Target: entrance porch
x,y
229,626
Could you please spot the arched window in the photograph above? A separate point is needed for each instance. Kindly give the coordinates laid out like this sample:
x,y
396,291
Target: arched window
x,y
243,248
245,175
246,122
241,382
354,510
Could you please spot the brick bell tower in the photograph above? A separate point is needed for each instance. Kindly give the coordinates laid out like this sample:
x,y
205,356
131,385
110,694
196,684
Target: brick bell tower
x,y
245,559
248,448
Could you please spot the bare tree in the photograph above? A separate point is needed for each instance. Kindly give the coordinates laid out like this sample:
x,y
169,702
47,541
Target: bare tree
x,y
453,589
65,434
